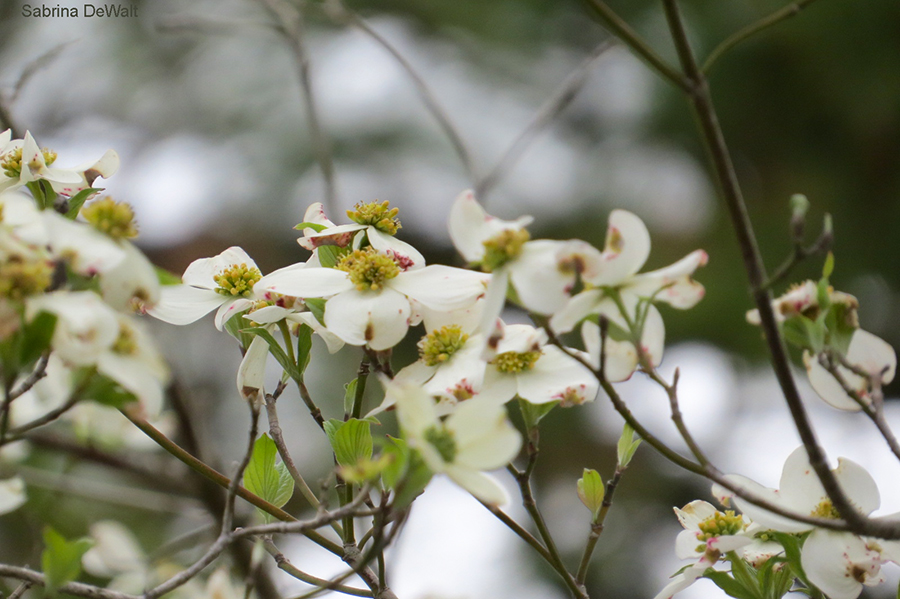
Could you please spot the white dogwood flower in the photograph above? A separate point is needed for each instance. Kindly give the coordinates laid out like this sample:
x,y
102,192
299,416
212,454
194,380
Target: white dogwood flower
x,y
476,437
225,282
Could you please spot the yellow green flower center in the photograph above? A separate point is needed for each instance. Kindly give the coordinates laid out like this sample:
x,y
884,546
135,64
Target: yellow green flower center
x,y
513,362
437,346
442,440
720,524
377,215
503,247
115,219
126,343
11,162
368,269
825,509
237,279
20,278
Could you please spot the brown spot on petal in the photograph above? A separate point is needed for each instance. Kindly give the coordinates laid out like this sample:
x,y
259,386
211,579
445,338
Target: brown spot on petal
x,y
858,573
370,332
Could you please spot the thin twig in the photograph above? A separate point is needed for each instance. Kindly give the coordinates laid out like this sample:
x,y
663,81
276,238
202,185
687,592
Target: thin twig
x,y
597,525
20,590
519,531
72,588
551,109
39,372
290,23
341,14
749,31
622,30
711,132
278,438
285,565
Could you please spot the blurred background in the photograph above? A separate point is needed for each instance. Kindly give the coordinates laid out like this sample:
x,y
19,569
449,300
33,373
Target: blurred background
x,y
203,103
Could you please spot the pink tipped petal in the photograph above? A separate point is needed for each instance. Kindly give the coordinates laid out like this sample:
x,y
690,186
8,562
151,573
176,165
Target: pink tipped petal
x,y
377,318
441,287
406,256
626,251
540,284
182,304
673,284
305,282
229,309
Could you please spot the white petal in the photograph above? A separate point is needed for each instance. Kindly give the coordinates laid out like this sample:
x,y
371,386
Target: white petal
x,y
682,581
415,409
441,287
332,341
485,438
377,318
87,250
686,544
859,486
470,226
627,248
519,338
305,282
183,304
498,387
838,563
135,377
132,282
481,485
557,377
251,373
540,283
828,388
873,354
694,513
621,357
577,308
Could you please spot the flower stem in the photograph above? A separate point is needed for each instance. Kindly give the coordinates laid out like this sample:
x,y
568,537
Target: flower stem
x,y
597,526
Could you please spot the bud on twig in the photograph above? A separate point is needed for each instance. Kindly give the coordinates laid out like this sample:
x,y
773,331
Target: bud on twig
x,y
799,208
591,491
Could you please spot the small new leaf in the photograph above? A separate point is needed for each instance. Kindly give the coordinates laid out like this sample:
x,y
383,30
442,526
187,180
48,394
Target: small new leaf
x,y
350,440
265,478
591,491
318,228
626,446
61,560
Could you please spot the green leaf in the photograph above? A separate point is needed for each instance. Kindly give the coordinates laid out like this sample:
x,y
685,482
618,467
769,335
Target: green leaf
x,y
744,574
305,225
165,277
399,452
234,327
626,446
49,193
265,478
36,337
350,440
61,559
731,587
276,350
407,476
78,200
108,392
792,545
350,395
804,333
330,255
533,413
38,192
316,305
304,347
591,491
